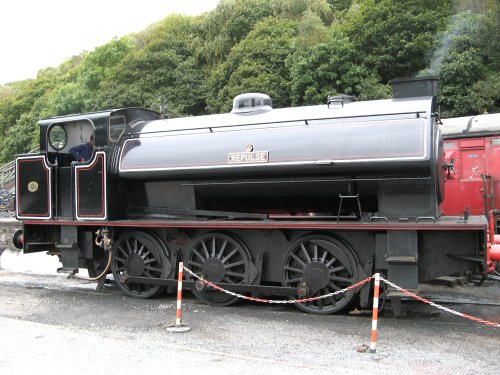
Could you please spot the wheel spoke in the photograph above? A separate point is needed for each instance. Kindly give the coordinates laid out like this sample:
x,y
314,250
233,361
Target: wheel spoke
x,y
198,255
229,256
296,280
145,255
235,264
337,269
151,260
331,262
149,268
304,250
298,259
191,262
222,249
128,246
333,286
123,251
213,247
141,249
342,279
235,274
205,250
288,268
121,260
315,252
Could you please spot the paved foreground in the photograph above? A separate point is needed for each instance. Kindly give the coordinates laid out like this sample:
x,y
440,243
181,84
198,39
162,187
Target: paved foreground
x,y
59,325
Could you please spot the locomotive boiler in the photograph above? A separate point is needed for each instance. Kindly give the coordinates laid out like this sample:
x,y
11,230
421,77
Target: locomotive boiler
x,y
292,201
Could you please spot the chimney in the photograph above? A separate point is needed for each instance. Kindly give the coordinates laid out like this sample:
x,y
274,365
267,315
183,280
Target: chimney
x,y
410,87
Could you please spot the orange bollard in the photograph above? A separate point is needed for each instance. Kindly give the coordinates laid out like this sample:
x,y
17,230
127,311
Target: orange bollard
x,y
179,326
376,292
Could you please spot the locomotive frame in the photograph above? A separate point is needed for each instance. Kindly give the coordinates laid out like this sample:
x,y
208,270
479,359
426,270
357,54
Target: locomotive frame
x,y
257,201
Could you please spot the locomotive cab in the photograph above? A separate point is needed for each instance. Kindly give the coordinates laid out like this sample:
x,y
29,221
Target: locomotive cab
x,y
53,185
62,136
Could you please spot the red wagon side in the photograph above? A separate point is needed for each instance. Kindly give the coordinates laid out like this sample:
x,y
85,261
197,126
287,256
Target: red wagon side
x,y
472,149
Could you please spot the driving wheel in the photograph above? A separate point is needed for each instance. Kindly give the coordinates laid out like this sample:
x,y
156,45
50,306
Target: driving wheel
x,y
140,254
219,258
321,265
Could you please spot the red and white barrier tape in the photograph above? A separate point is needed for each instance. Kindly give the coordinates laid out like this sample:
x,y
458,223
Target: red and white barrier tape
x,y
276,301
353,286
421,299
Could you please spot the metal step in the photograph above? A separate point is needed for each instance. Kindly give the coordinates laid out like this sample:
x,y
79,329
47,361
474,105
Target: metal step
x,y
63,246
401,259
69,271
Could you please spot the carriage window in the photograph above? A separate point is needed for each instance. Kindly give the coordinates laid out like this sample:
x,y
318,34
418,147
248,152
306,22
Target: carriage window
x,y
57,137
116,127
495,141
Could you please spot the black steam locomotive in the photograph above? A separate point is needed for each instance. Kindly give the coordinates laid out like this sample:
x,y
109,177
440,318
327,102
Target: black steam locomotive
x,y
295,201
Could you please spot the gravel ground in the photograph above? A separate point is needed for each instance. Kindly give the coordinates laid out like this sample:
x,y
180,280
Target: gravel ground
x,y
49,322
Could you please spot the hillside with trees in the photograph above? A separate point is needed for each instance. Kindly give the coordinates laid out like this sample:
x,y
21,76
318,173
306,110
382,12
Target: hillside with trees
x,y
296,51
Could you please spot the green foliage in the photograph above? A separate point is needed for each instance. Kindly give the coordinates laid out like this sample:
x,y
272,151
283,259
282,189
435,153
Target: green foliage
x,y
467,65
256,64
20,138
394,37
295,9
17,107
165,67
228,24
330,67
98,65
311,31
340,5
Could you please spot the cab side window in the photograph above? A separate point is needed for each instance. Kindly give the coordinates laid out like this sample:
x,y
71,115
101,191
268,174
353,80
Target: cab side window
x,y
116,127
57,137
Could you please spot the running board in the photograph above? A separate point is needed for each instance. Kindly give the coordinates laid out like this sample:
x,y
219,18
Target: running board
x,y
172,213
469,258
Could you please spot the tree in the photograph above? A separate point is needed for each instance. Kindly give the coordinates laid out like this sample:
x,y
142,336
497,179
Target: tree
x,y
311,31
295,9
165,66
331,67
394,37
228,24
19,114
97,65
20,138
467,65
256,64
